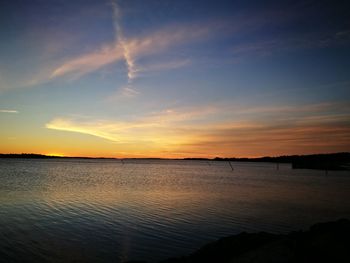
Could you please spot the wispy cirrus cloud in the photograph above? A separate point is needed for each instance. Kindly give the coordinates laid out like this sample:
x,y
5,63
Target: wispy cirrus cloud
x,y
191,129
89,62
156,130
9,111
258,140
134,47
91,128
129,91
129,49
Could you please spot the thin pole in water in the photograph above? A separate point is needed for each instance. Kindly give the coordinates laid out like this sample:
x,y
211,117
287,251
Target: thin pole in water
x,y
230,165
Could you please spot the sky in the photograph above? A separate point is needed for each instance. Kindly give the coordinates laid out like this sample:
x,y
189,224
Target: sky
x,y
174,79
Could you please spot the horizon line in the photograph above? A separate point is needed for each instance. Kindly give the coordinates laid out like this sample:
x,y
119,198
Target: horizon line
x,y
164,158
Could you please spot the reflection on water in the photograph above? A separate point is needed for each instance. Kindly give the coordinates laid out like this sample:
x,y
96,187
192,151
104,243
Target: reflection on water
x,y
106,211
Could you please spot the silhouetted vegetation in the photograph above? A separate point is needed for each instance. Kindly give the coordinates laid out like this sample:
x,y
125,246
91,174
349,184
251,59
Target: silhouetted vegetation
x,y
329,161
42,156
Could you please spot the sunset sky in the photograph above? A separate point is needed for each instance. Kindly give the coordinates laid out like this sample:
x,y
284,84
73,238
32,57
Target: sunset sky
x,y
172,79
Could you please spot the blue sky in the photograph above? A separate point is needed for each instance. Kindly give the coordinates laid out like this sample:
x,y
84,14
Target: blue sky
x,y
174,78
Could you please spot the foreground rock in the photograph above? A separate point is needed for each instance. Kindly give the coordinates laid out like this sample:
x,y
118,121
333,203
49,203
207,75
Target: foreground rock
x,y
325,242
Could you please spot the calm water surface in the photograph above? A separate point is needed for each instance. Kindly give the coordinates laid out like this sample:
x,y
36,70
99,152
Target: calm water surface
x,y
106,211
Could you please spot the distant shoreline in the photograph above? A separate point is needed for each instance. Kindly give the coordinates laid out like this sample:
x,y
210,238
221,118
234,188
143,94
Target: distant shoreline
x,y
327,161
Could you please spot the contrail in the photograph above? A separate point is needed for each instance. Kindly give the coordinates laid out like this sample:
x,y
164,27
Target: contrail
x,y
121,40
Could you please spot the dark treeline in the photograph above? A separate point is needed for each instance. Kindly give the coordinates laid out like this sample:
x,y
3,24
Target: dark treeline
x,y
345,156
27,155
42,156
328,161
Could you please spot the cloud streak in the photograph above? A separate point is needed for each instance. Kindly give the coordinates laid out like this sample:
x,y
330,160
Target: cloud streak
x,y
123,43
201,131
128,49
89,62
134,47
9,111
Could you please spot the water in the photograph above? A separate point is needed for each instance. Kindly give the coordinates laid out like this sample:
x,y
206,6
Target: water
x,y
105,211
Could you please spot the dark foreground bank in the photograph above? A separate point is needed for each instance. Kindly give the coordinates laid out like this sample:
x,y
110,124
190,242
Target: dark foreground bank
x,y
324,242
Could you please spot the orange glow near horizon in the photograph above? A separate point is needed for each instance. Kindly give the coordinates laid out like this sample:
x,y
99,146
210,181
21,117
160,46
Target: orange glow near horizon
x,y
189,132
172,139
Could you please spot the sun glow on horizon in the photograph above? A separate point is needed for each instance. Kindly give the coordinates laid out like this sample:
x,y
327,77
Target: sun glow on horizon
x,y
55,154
